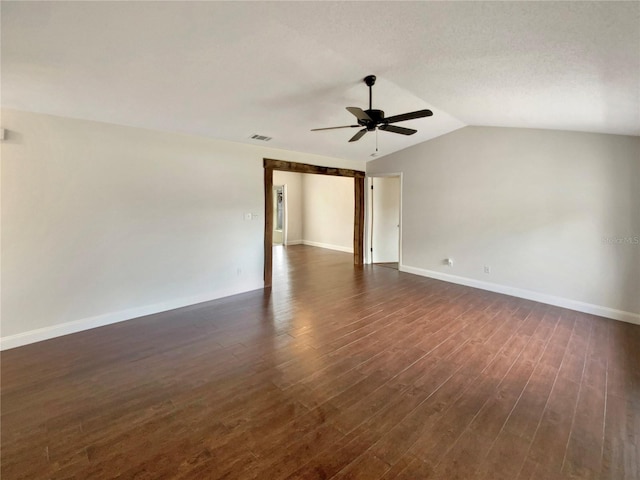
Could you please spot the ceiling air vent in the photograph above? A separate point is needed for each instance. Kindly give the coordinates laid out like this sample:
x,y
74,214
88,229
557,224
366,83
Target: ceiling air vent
x,y
262,138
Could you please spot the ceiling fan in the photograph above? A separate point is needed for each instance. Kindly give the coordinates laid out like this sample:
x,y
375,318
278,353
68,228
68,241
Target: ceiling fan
x,y
374,119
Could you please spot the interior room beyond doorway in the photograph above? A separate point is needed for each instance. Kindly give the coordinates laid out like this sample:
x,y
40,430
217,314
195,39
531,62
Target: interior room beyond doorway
x,y
315,210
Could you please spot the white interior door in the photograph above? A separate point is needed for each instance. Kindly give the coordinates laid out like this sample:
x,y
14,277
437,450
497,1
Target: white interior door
x,y
385,219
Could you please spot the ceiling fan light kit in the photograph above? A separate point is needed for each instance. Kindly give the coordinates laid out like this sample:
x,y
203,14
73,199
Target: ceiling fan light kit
x,y
373,119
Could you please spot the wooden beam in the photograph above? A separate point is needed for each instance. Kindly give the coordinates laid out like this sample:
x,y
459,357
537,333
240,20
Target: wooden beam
x,y
358,222
268,226
315,169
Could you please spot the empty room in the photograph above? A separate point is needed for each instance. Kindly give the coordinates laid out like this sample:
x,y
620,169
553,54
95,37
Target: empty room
x,y
320,240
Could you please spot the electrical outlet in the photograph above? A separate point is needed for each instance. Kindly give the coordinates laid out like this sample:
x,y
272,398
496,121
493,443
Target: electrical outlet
x,y
487,269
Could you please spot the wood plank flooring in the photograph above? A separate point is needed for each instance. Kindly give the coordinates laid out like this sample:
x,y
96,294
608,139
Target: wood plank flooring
x,y
338,373
393,265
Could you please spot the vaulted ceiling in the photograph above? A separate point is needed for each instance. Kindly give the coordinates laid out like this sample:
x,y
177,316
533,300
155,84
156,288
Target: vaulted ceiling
x,y
228,70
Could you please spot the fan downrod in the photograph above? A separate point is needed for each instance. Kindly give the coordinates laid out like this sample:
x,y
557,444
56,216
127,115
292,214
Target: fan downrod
x,y
370,80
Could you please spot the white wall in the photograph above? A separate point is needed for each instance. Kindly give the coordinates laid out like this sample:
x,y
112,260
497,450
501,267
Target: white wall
x,y
328,210
320,209
101,223
293,181
534,206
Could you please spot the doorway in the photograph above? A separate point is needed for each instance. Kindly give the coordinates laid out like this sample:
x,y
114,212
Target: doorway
x,y
359,200
384,225
279,215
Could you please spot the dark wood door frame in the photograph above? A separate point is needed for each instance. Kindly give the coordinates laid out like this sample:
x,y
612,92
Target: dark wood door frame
x,y
358,217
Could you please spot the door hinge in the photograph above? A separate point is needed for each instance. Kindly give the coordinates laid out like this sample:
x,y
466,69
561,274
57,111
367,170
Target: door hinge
x,y
371,249
371,187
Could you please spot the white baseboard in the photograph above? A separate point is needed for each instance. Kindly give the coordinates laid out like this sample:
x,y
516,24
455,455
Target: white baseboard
x,y
46,333
40,334
294,242
590,308
328,245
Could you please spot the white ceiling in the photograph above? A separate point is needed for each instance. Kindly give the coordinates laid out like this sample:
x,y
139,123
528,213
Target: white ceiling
x,y
228,70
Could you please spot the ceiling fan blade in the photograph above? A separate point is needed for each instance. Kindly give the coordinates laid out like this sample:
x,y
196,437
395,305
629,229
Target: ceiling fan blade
x,y
408,116
396,129
333,128
359,113
358,135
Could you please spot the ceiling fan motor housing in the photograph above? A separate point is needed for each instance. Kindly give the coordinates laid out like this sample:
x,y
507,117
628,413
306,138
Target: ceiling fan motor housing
x,y
377,117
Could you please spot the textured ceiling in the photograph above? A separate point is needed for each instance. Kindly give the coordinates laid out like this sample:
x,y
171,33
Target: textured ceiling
x,y
228,70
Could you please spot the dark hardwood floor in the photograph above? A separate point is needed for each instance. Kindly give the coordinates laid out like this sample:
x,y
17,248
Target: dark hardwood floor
x,y
339,372
393,265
